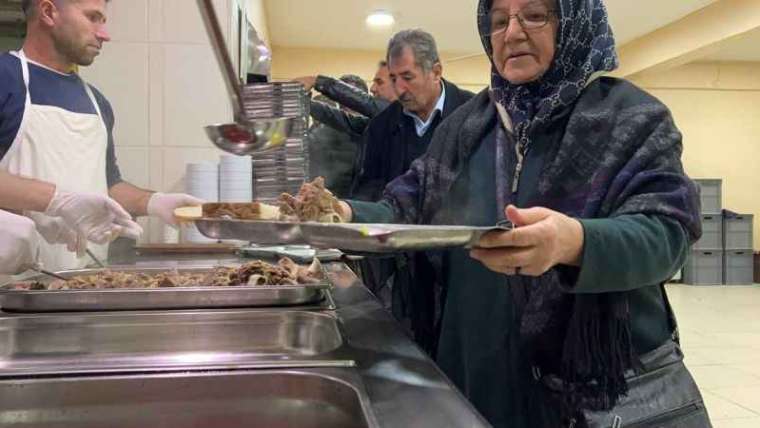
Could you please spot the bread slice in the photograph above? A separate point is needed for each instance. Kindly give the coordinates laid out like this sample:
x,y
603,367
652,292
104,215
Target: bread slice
x,y
183,214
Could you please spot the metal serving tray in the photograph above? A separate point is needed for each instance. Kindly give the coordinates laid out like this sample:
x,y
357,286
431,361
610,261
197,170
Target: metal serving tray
x,y
259,232
158,298
297,253
313,398
128,342
373,238
382,238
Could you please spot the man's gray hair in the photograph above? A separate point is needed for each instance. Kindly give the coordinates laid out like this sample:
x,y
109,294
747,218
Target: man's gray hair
x,y
420,42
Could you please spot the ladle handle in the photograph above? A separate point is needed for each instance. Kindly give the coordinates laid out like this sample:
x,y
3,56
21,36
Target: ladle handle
x,y
231,78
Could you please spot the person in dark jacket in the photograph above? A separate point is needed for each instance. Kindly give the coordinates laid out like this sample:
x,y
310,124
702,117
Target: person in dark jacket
x,y
563,321
401,132
393,139
334,154
361,107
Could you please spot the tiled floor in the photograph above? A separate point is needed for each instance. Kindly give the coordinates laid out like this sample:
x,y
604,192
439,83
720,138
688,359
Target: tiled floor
x,y
720,335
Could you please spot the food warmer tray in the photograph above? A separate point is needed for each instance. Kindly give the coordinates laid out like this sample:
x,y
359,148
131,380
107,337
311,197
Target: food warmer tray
x,y
368,238
160,298
160,341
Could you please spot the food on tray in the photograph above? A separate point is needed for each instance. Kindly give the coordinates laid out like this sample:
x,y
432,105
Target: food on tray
x,y
243,211
312,203
188,213
256,273
236,210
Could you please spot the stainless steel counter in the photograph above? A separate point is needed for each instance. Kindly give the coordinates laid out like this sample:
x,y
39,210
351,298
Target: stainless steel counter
x,y
399,385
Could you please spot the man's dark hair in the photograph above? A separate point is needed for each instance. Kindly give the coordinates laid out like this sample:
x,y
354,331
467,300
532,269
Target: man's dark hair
x,y
28,6
382,63
355,81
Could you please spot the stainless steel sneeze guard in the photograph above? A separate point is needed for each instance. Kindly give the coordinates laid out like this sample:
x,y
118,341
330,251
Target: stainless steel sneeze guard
x,y
380,238
35,345
159,298
274,398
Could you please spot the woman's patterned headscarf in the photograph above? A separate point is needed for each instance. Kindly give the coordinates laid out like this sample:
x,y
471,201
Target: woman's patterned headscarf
x,y
585,46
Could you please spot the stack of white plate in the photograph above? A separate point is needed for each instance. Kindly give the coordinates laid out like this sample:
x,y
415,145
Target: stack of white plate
x,y
285,168
235,179
201,181
188,233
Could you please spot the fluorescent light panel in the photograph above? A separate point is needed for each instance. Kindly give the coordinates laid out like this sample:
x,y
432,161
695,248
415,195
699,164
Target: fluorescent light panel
x,y
380,18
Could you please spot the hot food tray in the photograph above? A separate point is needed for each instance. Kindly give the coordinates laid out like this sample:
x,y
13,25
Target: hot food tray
x,y
159,298
370,238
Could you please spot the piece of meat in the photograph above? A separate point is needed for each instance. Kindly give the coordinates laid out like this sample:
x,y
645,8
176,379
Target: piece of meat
x,y
312,203
256,272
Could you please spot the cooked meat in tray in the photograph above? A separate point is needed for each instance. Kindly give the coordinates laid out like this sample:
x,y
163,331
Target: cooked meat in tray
x,y
254,284
257,273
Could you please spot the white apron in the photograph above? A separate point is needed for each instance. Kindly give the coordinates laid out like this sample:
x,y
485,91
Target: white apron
x,y
65,148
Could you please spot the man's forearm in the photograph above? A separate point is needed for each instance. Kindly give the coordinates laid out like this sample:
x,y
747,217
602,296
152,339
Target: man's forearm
x,y
348,96
24,194
337,119
132,198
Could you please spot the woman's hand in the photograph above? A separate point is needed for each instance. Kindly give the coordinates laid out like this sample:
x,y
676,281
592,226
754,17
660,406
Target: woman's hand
x,y
344,211
542,238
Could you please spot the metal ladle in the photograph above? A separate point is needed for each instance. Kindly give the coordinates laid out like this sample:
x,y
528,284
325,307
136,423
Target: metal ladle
x,y
244,136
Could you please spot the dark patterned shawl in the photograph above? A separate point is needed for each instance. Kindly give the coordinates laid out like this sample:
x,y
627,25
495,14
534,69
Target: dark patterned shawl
x,y
618,153
585,45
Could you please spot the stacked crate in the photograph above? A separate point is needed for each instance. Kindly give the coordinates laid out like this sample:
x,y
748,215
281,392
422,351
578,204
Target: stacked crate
x,y
724,253
737,244
705,263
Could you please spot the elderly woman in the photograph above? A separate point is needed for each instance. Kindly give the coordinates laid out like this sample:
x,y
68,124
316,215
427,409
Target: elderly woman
x,y
563,321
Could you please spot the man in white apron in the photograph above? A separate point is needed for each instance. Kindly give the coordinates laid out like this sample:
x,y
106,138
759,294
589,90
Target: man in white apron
x,y
18,243
72,219
54,127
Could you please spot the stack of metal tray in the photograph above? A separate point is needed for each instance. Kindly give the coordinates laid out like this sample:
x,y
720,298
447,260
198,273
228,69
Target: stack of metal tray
x,y
286,168
363,238
314,295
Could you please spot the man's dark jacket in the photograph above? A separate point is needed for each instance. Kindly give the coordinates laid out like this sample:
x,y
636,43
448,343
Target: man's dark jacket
x,y
388,152
365,105
391,144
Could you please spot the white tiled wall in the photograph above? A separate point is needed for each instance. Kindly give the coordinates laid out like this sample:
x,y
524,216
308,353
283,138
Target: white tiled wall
x,y
164,84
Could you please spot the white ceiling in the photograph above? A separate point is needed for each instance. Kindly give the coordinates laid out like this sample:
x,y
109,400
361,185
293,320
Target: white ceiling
x,y
340,23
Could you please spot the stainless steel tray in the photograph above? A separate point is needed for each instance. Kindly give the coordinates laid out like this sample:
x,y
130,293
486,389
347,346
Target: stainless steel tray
x,y
310,398
376,238
382,238
297,253
128,342
259,232
158,298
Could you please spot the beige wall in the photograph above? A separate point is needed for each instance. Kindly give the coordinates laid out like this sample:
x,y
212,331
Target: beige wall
x,y
717,107
258,17
164,85
469,73
10,43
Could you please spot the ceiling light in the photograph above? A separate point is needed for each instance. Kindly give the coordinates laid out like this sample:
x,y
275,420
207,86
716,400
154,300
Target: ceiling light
x,y
380,18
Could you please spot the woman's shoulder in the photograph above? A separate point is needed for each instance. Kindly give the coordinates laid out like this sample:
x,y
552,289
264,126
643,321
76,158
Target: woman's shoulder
x,y
617,93
475,107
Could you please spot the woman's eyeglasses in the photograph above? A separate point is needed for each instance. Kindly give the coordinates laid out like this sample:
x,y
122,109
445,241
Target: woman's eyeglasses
x,y
530,19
